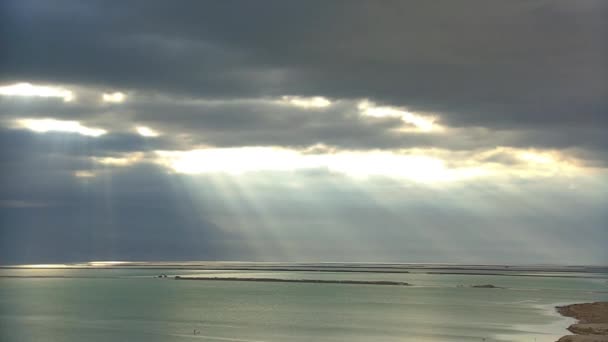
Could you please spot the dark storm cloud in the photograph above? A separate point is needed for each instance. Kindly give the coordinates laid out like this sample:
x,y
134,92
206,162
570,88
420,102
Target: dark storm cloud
x,y
477,63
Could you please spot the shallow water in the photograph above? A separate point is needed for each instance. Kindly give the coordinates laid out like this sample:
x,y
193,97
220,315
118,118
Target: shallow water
x,y
133,305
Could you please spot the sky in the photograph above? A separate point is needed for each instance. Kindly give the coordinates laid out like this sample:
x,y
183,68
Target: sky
x,y
441,131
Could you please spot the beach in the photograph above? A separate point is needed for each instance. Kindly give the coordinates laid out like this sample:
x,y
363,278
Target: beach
x,y
592,325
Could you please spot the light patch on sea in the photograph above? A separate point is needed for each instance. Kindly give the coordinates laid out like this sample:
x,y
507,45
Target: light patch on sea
x,y
542,332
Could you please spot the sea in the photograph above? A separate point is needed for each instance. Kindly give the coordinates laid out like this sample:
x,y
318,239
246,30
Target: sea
x,y
145,302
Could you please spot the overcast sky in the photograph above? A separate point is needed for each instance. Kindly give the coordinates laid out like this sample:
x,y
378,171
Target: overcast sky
x,y
390,131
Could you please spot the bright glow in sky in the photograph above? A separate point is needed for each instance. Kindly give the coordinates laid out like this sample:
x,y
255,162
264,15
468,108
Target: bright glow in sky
x,y
27,89
537,157
45,266
84,174
146,131
116,97
235,160
356,164
306,102
106,263
52,125
125,160
422,123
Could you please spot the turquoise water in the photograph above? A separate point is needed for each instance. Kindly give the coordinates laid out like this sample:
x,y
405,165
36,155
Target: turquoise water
x,y
133,305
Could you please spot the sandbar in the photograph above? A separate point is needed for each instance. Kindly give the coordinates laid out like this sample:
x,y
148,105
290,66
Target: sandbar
x,y
312,281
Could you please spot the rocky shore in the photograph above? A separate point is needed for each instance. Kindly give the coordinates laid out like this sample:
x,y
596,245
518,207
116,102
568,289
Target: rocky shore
x,y
592,323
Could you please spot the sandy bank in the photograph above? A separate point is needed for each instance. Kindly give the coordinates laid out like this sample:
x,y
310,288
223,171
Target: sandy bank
x,y
312,281
592,323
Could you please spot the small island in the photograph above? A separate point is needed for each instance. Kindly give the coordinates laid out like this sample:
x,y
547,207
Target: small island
x,y
592,323
311,281
487,286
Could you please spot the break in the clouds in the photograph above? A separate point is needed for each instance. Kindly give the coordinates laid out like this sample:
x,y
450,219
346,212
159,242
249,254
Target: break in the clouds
x,y
281,130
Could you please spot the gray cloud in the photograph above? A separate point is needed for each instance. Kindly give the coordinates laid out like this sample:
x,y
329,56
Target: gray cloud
x,y
529,61
533,72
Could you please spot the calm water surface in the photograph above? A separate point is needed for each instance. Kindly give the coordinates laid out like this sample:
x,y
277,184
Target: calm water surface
x,y
133,305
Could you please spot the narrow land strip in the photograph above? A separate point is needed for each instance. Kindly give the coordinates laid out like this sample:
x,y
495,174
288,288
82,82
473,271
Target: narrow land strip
x,y
313,281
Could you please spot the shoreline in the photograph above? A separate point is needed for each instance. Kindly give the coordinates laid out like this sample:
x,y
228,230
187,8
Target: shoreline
x,y
592,322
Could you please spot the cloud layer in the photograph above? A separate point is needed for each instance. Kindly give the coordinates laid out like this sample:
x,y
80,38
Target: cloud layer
x,y
235,127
